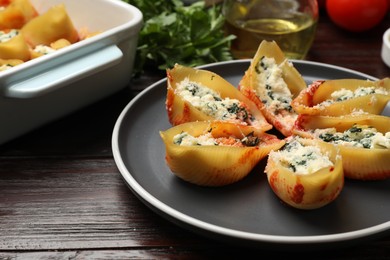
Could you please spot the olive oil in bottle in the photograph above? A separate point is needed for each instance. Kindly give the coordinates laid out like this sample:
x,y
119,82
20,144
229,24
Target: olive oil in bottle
x,y
293,32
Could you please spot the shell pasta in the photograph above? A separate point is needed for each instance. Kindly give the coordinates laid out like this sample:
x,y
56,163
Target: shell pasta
x,y
215,153
200,95
343,96
271,82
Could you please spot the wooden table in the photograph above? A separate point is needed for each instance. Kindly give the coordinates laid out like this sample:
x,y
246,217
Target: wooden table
x,y
62,196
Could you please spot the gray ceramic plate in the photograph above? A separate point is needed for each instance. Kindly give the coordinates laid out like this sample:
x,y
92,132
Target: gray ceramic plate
x,y
247,212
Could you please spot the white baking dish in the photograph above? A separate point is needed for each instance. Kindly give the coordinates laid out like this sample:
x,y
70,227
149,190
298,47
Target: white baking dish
x,y
46,88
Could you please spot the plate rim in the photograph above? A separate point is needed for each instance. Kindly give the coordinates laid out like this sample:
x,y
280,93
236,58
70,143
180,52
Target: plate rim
x,y
168,211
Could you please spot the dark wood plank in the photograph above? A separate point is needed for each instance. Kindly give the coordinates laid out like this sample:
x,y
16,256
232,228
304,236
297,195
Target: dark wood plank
x,y
68,203
378,251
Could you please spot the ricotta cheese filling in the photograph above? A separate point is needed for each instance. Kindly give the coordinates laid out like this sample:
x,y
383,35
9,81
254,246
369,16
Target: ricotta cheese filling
x,y
8,35
356,136
43,49
346,94
301,159
185,139
272,89
212,104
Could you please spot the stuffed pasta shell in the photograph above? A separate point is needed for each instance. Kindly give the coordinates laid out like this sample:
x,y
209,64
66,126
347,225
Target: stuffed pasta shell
x,y
200,95
14,14
305,173
13,46
271,82
343,96
49,27
363,141
215,153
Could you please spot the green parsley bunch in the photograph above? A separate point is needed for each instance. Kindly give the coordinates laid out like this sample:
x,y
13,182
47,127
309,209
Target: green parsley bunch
x,y
175,33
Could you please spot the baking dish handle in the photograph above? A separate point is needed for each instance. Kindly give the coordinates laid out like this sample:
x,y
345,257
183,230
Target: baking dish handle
x,y
68,72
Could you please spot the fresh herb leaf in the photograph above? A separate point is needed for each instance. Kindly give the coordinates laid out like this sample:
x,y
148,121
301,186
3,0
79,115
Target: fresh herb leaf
x,y
174,33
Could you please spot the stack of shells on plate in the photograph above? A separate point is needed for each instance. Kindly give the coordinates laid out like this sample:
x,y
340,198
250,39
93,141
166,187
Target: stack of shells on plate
x,y
311,136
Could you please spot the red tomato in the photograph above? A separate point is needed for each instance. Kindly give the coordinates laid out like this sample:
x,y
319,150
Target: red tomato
x,y
357,15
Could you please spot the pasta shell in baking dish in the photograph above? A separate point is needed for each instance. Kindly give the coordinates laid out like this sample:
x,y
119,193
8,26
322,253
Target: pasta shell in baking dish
x,y
343,96
271,82
305,173
49,27
215,153
363,141
15,47
201,95
16,14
